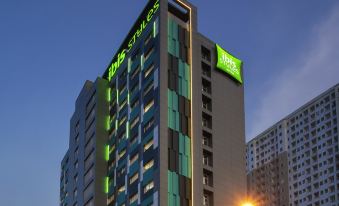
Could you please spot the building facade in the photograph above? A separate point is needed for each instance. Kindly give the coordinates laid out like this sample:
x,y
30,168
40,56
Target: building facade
x,y
296,161
169,120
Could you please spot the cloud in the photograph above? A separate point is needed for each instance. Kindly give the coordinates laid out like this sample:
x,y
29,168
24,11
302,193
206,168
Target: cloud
x,y
312,72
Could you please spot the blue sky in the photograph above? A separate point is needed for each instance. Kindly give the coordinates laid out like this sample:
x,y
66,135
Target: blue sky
x,y
49,48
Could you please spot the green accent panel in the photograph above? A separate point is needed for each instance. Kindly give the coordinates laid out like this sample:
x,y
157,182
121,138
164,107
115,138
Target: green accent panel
x,y
184,80
170,181
169,118
185,155
189,171
184,165
187,146
173,189
175,30
173,110
169,98
173,43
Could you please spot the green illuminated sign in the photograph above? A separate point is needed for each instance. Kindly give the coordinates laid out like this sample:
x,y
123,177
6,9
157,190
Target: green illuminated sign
x,y
229,64
133,36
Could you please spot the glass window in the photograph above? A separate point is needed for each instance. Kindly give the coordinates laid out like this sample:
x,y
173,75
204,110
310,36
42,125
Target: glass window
x,y
148,145
133,159
148,38
135,103
121,189
148,71
148,105
148,88
148,125
148,53
148,187
88,192
133,198
135,72
134,122
122,153
133,178
148,165
89,175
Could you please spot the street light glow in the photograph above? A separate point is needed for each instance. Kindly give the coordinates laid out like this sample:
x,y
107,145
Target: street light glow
x,y
247,204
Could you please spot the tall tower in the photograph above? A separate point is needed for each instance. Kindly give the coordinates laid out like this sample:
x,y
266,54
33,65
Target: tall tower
x,y
175,116
295,161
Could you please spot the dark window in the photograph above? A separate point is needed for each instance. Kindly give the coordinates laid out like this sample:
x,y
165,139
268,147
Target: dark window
x,y
205,53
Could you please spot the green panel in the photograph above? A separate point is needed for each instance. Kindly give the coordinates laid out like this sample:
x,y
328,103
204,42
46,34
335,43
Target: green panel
x,y
169,98
175,101
184,165
175,30
181,143
170,28
175,183
169,117
170,199
170,180
181,68
185,89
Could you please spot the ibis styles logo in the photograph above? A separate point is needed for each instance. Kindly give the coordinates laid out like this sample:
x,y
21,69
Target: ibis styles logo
x,y
137,33
229,64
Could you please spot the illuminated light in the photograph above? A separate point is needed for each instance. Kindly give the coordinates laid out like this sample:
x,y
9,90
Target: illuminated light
x,y
128,100
117,96
127,130
247,204
107,152
129,65
109,94
154,29
108,123
142,61
106,185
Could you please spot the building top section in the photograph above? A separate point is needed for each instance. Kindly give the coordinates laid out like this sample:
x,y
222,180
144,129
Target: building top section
x,y
87,86
137,29
301,108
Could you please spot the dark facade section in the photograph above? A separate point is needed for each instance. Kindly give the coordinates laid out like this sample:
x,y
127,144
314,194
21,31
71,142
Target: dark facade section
x,y
84,166
268,185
